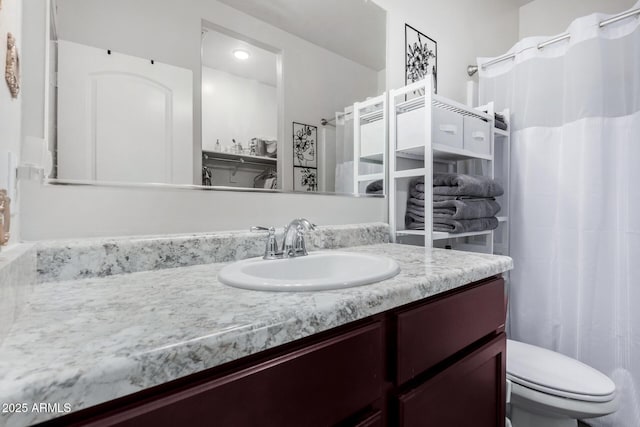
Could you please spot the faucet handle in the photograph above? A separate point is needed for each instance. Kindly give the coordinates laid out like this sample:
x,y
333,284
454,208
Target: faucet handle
x,y
271,249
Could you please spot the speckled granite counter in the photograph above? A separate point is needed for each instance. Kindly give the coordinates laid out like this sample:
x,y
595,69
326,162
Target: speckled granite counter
x,y
83,258
88,341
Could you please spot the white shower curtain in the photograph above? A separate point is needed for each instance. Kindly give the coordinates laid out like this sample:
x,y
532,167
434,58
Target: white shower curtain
x,y
575,200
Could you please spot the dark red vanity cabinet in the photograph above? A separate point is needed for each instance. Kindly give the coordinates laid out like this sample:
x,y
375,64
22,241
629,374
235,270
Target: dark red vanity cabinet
x,y
452,321
318,385
374,420
471,392
436,362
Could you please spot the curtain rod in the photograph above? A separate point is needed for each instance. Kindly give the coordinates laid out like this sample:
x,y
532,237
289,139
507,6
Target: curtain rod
x,y
472,69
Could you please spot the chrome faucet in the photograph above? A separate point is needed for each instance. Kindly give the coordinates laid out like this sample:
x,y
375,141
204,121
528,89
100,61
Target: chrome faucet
x,y
293,243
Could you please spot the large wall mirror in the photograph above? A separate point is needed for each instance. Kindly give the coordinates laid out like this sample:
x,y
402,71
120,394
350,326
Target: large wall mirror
x,y
246,94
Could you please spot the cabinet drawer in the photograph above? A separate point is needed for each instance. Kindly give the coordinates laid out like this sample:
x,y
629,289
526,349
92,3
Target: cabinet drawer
x,y
447,128
469,393
430,333
318,385
411,129
477,135
372,140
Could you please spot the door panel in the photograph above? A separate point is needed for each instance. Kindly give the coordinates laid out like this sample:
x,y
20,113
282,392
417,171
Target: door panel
x,y
122,118
470,393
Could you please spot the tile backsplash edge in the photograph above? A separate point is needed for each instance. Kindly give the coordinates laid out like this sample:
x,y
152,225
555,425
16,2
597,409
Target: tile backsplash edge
x,y
85,258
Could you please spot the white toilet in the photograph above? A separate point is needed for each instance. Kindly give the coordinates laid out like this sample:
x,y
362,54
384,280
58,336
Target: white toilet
x,y
552,390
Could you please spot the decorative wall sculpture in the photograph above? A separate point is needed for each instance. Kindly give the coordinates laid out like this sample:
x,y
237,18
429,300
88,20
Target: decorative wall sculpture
x,y
305,138
421,56
5,217
12,67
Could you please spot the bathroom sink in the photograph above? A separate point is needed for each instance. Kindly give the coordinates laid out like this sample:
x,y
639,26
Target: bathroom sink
x,y
317,271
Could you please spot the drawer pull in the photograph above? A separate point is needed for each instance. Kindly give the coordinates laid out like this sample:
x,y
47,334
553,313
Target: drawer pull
x,y
480,136
452,129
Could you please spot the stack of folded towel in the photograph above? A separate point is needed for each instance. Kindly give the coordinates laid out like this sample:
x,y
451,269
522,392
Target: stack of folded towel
x,y
500,123
461,203
376,187
414,217
465,203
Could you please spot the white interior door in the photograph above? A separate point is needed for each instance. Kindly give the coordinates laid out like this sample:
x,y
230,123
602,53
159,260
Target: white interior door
x,y
122,118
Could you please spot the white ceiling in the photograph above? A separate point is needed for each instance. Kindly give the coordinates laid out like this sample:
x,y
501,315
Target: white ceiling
x,y
355,29
521,3
217,53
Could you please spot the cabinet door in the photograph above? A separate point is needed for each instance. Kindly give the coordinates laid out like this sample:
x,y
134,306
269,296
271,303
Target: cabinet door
x,y
432,332
318,385
471,392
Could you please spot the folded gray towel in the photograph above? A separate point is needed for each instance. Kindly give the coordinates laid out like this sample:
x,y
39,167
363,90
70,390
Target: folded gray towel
x,y
416,210
440,198
417,202
501,125
414,222
417,194
455,184
376,187
415,226
464,225
419,187
465,209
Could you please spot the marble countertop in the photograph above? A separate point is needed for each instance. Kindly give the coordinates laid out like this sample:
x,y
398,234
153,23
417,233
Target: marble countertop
x,y
84,342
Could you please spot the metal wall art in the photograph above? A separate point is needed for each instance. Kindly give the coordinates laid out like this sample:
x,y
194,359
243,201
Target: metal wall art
x,y
421,56
305,157
305,151
305,179
12,70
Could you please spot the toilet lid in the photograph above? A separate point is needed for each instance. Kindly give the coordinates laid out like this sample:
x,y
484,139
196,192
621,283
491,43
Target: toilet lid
x,y
553,373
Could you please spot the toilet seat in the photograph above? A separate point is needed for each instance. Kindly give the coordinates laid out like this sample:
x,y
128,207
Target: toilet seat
x,y
549,405
552,373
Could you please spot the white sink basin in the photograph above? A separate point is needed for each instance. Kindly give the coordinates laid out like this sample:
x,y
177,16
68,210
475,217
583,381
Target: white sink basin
x,y
317,271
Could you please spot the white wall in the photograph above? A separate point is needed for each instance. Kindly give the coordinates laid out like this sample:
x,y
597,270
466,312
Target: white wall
x,y
84,211
10,109
551,17
463,29
235,107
